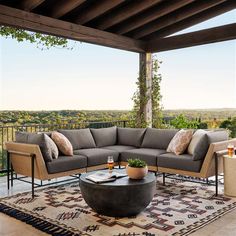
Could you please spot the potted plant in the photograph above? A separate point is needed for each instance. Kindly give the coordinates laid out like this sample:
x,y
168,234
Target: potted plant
x,y
136,169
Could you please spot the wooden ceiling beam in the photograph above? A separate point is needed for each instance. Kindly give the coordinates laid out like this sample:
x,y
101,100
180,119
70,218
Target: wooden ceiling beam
x,y
196,19
98,8
29,5
206,36
124,13
63,7
193,9
151,15
38,23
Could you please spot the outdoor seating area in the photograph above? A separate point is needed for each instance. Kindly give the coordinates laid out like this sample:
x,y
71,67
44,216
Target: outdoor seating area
x,y
32,153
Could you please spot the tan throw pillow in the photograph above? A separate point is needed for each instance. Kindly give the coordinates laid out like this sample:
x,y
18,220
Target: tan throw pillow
x,y
180,141
62,143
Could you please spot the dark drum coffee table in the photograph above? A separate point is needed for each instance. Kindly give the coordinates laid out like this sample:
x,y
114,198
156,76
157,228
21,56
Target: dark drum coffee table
x,y
123,197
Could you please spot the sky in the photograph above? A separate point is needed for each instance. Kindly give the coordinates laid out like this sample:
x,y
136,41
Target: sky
x,y
91,77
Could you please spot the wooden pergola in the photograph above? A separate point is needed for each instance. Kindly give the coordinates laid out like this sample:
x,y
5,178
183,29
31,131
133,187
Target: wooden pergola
x,y
142,26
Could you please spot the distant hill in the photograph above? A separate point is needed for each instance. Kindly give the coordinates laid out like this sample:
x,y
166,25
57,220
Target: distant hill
x,y
74,116
204,114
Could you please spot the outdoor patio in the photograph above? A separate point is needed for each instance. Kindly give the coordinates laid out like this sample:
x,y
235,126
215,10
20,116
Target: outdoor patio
x,y
143,27
9,226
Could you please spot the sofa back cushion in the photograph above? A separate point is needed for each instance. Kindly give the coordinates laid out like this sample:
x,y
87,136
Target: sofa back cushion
x,y
201,140
130,136
105,136
79,138
217,136
158,138
47,146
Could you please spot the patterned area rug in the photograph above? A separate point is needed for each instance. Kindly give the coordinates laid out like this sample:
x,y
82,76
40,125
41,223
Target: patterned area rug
x,y
179,208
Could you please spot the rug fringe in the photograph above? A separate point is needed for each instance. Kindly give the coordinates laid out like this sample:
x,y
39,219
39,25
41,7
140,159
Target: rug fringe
x,y
37,223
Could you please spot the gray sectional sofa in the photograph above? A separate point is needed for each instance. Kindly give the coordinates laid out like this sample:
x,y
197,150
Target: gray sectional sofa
x,y
91,147
124,143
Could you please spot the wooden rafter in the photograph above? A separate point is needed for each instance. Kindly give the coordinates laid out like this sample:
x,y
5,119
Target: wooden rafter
x,y
193,9
196,19
29,5
122,14
63,7
151,15
212,35
38,23
96,9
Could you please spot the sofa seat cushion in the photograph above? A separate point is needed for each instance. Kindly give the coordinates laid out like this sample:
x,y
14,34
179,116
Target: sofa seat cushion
x,y
66,163
79,138
179,162
97,156
119,148
130,136
104,136
158,138
149,155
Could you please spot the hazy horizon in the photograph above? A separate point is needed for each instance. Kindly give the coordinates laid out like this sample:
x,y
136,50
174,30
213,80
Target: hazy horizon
x,y
187,109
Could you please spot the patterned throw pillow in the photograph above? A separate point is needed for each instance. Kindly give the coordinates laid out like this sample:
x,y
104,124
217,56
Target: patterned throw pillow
x,y
62,143
180,141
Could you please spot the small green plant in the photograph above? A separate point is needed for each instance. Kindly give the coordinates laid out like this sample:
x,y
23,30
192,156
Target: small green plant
x,y
137,163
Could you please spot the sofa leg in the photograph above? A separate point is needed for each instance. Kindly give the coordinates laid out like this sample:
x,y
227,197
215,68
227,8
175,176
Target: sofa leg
x,y
8,170
164,179
216,174
12,176
32,174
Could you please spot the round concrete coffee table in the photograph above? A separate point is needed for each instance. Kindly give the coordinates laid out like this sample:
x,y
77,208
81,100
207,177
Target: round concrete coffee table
x,y
123,197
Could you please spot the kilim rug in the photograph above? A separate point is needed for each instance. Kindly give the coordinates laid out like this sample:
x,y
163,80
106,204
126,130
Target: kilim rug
x,y
179,208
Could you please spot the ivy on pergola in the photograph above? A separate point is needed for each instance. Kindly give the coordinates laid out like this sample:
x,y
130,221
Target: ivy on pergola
x,y
42,41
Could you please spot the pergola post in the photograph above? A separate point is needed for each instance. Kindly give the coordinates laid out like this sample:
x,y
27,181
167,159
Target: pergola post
x,y
145,82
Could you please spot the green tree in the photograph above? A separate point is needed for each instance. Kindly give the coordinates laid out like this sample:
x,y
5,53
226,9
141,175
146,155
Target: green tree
x,y
230,124
182,121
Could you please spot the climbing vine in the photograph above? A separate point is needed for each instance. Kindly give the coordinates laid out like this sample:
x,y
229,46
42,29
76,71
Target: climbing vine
x,y
157,116
140,98
42,41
